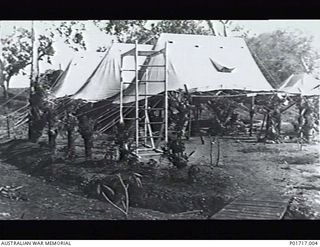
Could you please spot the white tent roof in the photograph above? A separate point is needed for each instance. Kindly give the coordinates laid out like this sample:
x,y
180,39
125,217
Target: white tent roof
x,y
77,72
105,81
304,84
204,63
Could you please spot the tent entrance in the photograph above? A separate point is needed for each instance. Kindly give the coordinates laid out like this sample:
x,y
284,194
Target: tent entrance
x,y
147,136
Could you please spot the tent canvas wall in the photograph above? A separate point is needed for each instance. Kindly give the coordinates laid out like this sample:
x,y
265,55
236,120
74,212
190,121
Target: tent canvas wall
x,y
203,63
105,81
75,75
304,84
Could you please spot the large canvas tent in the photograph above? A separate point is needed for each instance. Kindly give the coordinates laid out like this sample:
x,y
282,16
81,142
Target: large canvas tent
x,y
94,76
203,63
304,84
105,81
81,66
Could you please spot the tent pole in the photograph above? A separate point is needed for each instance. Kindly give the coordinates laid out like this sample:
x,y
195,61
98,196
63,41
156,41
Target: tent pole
x,y
136,96
166,94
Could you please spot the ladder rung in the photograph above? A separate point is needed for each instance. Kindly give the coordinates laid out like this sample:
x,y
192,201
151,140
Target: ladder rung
x,y
125,82
152,81
133,95
129,118
128,70
155,66
148,154
146,53
146,137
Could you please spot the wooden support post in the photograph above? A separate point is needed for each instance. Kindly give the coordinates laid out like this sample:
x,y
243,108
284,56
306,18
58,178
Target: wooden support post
x,y
166,94
189,113
146,119
211,150
136,96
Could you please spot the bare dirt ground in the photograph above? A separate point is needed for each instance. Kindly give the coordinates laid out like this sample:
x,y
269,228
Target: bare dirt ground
x,y
271,171
63,190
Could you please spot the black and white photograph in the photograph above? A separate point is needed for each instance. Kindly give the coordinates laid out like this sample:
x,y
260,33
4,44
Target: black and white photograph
x,y
159,120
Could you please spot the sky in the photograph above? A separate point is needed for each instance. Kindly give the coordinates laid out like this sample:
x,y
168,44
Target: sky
x,y
95,38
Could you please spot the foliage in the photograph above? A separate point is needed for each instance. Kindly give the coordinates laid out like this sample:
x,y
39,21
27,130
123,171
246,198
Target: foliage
x,y
180,26
72,33
223,115
127,31
17,52
174,151
49,77
179,111
283,53
122,138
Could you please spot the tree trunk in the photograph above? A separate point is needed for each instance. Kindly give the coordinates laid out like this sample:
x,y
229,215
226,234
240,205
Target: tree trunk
x,y
52,136
71,145
35,125
88,144
211,27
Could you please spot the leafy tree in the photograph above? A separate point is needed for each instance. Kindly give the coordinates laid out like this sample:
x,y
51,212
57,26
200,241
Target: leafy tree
x,y
17,52
129,31
283,53
180,26
126,31
72,33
